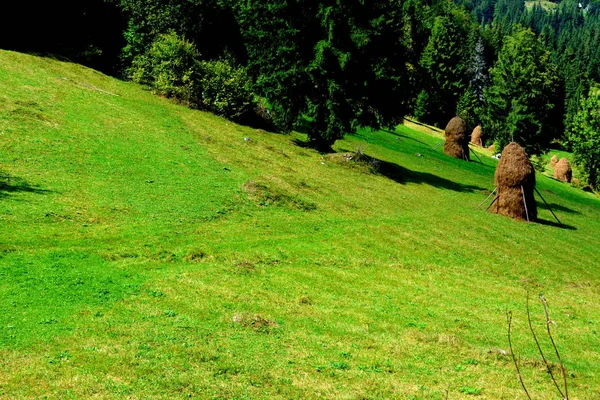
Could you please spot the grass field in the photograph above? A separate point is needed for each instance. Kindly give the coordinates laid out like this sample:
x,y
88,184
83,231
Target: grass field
x,y
149,251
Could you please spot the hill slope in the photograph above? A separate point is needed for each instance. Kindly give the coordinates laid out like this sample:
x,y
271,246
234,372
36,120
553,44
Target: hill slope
x,y
152,251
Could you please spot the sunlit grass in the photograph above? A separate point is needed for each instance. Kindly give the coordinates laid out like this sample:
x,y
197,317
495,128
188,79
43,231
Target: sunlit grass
x,y
136,235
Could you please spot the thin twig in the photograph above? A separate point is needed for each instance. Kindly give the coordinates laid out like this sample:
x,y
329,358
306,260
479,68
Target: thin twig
x,y
562,367
537,343
512,353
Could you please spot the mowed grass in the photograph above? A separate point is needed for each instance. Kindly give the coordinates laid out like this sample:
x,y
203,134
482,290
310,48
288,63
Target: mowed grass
x,y
152,251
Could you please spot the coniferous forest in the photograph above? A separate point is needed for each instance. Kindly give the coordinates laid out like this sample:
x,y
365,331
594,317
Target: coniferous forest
x,y
525,72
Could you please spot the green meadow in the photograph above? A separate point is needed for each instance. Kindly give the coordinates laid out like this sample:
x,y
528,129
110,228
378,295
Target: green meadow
x,y
150,251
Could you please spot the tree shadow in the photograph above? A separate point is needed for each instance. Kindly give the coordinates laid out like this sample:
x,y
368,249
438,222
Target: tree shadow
x,y
555,224
10,184
403,137
404,175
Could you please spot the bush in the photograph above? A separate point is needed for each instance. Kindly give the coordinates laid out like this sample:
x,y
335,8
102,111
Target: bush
x,y
170,68
225,89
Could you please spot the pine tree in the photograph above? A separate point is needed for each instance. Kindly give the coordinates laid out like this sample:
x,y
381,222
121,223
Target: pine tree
x,y
584,137
335,64
446,61
521,103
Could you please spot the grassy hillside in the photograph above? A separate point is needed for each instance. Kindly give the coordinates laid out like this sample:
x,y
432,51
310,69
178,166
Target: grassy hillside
x,y
152,251
547,5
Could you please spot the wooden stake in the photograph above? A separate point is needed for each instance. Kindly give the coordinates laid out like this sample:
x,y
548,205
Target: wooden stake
x,y
488,207
475,154
486,199
547,205
525,203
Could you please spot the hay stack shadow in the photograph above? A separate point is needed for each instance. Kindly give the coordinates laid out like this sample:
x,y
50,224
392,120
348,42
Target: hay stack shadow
x,y
515,182
457,140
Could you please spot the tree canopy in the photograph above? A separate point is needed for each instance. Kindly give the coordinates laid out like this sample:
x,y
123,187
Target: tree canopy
x,y
522,101
584,137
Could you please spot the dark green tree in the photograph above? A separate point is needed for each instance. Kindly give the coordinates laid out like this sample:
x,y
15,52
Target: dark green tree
x,y
521,101
446,61
584,137
337,65
208,24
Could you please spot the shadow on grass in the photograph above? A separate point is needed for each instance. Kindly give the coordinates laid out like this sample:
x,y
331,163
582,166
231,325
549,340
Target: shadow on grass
x,y
558,207
404,175
555,224
309,145
403,137
10,184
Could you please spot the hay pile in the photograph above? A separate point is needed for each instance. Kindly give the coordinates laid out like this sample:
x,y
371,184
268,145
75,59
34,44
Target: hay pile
x,y
476,136
457,141
563,171
515,171
553,160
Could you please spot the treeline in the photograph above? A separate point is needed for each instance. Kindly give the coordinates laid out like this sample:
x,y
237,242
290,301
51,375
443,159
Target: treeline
x,y
331,66
569,35
89,32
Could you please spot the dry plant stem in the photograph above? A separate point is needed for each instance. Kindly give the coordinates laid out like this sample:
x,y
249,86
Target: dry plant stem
x,y
562,367
486,199
537,343
512,353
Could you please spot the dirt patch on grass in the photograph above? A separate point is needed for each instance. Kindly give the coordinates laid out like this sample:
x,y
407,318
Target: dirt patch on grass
x,y
255,322
265,196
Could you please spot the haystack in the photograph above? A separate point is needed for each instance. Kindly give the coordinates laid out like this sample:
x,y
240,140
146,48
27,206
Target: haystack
x,y
563,171
554,160
457,141
476,136
515,182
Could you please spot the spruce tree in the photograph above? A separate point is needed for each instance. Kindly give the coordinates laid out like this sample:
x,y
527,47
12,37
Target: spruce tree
x,y
521,101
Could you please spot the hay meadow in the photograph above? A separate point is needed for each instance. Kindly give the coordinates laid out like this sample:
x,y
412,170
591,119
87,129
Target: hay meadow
x,y
150,251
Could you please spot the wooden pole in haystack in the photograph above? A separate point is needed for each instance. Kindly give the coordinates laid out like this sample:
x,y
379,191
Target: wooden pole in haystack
x,y
486,199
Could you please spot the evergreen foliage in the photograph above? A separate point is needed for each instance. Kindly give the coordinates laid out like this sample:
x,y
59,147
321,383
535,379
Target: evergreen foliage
x,y
584,137
338,65
88,32
446,61
333,66
522,96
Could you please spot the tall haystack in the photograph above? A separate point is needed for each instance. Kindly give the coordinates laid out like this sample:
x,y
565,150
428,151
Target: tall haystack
x,y
515,182
563,171
554,160
457,141
476,136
